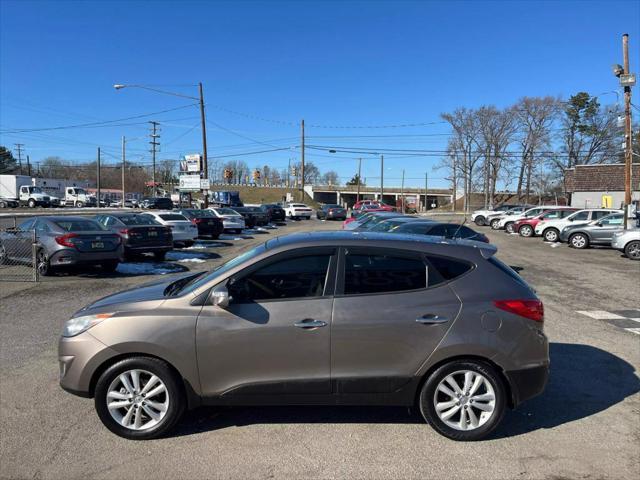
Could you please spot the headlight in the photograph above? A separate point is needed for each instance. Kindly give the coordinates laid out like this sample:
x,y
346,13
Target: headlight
x,y
77,325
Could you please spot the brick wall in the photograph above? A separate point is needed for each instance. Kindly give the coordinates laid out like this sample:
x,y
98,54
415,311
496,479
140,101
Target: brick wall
x,y
600,178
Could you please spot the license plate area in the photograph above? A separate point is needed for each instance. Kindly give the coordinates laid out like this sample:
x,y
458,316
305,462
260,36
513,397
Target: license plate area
x,y
97,244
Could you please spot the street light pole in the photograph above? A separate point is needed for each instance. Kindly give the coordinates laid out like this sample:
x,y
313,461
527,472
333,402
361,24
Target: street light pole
x,y
627,132
123,166
382,178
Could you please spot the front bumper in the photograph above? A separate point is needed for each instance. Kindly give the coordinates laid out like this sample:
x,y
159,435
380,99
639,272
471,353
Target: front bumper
x,y
527,383
78,359
617,242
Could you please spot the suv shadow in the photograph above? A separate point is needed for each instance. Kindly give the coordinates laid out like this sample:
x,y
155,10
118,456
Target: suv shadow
x,y
584,380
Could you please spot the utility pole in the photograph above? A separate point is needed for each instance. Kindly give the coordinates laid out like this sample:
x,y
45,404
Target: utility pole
x,y
289,174
627,132
28,166
154,144
359,179
426,191
402,192
19,152
302,163
382,178
98,179
204,147
123,165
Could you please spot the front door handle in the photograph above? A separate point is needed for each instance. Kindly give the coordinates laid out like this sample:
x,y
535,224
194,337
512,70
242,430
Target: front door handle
x,y
309,323
431,318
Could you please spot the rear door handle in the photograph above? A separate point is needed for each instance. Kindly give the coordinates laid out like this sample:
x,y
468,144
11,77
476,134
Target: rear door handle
x,y
309,323
431,318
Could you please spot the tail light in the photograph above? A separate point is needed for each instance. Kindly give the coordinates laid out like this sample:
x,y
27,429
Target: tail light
x,y
531,309
65,240
197,220
125,231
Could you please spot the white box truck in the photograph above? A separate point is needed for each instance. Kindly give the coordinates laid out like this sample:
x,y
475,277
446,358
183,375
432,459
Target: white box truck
x,y
22,189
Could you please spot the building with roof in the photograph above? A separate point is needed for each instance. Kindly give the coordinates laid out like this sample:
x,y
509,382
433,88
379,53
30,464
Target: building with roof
x,y
602,185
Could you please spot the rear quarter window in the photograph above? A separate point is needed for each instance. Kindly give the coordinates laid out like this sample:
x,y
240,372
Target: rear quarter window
x,y
449,268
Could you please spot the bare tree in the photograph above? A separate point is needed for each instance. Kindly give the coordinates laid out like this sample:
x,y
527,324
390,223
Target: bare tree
x,y
497,129
534,118
466,132
330,178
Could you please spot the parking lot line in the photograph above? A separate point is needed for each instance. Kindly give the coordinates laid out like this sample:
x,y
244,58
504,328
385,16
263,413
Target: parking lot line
x,y
601,315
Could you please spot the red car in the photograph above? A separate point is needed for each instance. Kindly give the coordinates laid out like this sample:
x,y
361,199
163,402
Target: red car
x,y
372,205
526,227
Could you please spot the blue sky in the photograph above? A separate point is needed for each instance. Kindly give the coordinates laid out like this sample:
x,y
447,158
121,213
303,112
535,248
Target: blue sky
x,y
332,63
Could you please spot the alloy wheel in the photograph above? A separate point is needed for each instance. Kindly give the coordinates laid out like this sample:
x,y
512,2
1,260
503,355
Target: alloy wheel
x,y
464,400
578,241
526,231
632,250
551,235
42,263
137,399
509,227
3,255
495,224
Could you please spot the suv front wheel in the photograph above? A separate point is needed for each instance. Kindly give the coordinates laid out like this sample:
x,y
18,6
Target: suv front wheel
x,y
139,398
463,400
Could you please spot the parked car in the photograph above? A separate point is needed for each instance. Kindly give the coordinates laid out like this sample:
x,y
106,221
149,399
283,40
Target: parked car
x,y
526,226
389,223
183,230
254,215
231,219
9,202
627,241
298,210
209,225
331,211
368,217
376,218
446,230
599,232
479,217
61,242
373,204
276,212
494,220
323,318
550,228
140,234
508,221
158,203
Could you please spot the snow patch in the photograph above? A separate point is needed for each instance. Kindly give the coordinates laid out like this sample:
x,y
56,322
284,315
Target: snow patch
x,y
192,260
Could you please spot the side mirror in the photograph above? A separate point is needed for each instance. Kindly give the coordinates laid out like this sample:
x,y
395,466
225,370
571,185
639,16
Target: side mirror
x,y
570,219
220,296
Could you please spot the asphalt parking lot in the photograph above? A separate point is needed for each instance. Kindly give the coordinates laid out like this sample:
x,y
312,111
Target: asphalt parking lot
x,y
586,424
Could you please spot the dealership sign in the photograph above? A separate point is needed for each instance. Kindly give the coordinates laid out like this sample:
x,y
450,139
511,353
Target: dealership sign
x,y
189,183
191,164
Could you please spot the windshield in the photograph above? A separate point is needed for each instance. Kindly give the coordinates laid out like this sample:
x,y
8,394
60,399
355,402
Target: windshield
x,y
79,225
35,190
201,213
197,282
172,217
138,220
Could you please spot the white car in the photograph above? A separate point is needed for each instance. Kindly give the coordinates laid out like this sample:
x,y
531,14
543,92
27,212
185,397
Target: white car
x,y
297,210
479,217
184,232
494,220
507,221
550,229
232,220
627,241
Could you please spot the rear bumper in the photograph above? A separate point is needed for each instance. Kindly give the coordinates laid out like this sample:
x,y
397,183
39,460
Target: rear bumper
x,y
527,383
74,257
148,248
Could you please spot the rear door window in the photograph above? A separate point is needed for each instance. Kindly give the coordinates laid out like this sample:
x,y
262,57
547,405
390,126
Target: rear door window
x,y
581,216
382,272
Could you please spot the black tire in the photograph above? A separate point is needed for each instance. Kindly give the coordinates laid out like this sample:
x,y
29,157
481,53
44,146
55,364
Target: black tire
x,y
42,264
31,203
428,397
188,243
158,368
551,235
3,255
579,240
632,250
508,227
79,204
110,266
495,224
480,221
159,256
526,231
3,204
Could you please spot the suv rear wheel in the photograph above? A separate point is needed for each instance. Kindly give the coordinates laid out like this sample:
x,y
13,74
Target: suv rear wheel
x,y
480,221
463,400
495,224
509,227
139,398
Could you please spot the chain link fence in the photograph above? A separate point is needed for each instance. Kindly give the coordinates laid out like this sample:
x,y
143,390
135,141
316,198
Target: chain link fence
x,y
17,252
